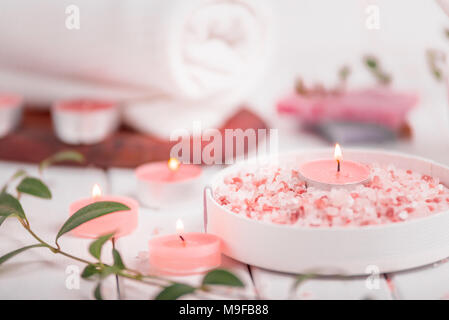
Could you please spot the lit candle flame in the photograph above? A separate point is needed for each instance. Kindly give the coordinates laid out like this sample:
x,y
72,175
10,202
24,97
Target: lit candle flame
x,y
180,229
337,153
96,191
338,156
173,164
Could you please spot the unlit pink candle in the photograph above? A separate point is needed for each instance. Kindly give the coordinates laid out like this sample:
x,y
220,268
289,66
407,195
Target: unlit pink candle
x,y
10,112
84,121
327,173
121,223
185,253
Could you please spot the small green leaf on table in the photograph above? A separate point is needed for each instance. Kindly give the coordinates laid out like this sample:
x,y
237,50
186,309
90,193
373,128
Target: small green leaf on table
x,y
34,187
9,205
89,271
118,262
97,292
90,212
96,246
222,277
12,254
175,291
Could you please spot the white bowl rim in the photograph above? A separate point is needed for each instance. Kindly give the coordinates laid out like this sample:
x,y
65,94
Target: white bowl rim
x,y
401,224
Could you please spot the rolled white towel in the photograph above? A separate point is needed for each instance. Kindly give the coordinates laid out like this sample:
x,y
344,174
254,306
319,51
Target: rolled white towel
x,y
201,56
192,50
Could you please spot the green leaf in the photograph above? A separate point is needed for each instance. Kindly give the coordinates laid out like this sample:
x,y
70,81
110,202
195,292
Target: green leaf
x,y
90,212
89,271
2,219
97,292
371,62
97,245
222,277
10,205
12,254
67,155
118,262
34,187
175,291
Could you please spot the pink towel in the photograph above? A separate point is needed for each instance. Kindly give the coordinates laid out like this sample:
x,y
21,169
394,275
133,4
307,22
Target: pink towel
x,y
379,105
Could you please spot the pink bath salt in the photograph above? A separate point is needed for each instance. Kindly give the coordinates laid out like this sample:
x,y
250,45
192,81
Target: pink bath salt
x,y
278,195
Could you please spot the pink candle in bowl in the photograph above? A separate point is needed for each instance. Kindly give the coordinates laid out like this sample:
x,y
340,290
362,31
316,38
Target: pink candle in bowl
x,y
10,112
84,121
184,253
330,173
121,223
163,184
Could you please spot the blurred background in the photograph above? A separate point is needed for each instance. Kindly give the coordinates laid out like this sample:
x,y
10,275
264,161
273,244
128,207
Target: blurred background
x,y
169,63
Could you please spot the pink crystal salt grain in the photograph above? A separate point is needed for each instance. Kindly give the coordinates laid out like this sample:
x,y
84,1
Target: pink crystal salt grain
x,y
278,195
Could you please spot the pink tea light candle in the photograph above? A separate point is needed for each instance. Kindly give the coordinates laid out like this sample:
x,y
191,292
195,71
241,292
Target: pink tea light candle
x,y
120,223
184,253
162,184
10,112
84,121
329,173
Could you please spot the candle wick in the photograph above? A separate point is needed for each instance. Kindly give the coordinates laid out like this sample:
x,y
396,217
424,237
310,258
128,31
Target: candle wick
x,y
338,165
182,238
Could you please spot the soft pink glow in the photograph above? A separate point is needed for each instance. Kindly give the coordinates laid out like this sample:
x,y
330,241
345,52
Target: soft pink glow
x,y
160,172
325,171
121,223
198,253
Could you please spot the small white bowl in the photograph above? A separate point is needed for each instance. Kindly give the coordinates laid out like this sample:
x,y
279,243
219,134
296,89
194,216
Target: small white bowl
x,y
84,121
11,107
334,250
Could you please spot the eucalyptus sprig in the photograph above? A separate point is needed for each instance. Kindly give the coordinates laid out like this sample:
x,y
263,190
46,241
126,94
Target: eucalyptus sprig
x,y
95,269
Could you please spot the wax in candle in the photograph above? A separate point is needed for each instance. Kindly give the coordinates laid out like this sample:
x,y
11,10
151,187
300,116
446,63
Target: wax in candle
x,y
325,171
121,223
197,253
85,105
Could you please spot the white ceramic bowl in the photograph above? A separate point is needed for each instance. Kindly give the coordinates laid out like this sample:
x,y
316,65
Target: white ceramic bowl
x,y
335,250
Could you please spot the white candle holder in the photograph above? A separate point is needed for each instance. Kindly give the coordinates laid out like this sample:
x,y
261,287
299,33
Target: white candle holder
x,y
163,194
84,126
333,250
11,107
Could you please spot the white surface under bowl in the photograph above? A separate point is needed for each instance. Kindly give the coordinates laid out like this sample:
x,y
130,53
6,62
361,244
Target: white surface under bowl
x,y
333,250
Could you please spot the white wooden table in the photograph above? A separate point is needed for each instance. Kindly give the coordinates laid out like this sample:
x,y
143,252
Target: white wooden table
x,y
39,274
